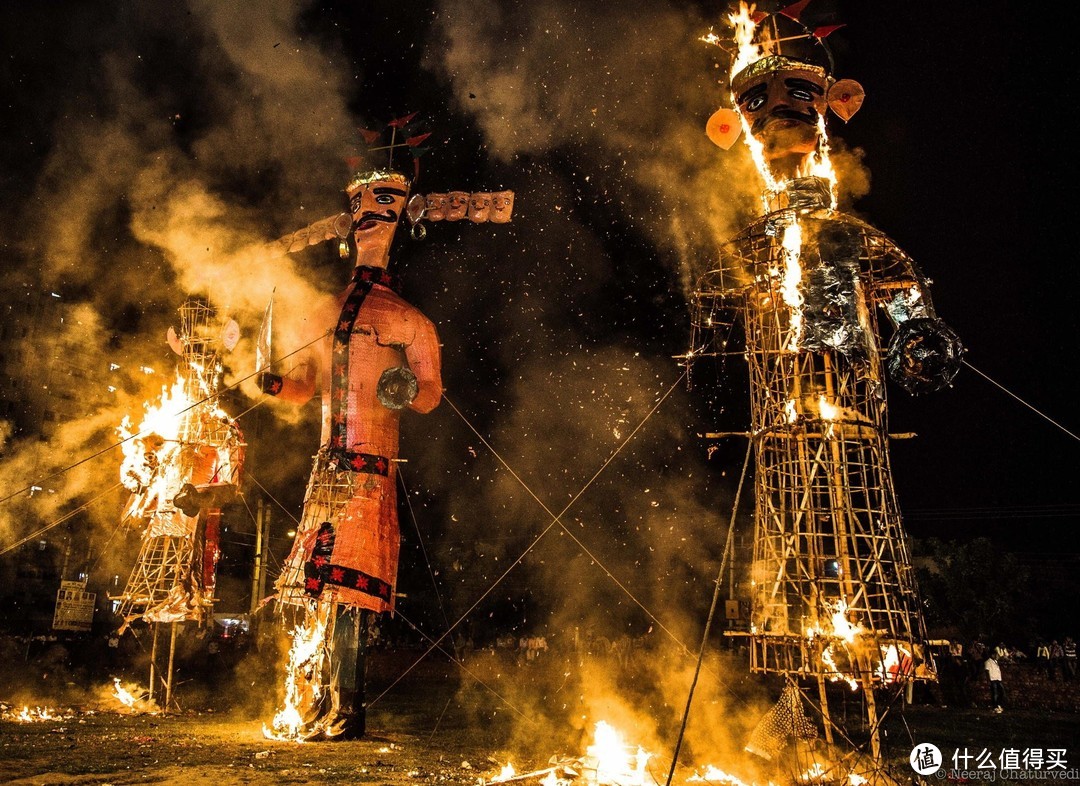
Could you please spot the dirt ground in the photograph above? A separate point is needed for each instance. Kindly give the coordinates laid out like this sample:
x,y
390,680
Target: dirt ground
x,y
433,724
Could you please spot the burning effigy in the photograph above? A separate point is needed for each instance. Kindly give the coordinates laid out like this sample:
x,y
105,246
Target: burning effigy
x,y
182,463
830,308
371,355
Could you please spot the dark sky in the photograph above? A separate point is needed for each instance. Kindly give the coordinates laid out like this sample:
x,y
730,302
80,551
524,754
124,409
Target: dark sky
x,y
145,145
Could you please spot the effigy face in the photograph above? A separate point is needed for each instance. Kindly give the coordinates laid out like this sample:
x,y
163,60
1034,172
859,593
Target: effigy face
x,y
376,208
782,108
436,207
457,205
479,207
502,206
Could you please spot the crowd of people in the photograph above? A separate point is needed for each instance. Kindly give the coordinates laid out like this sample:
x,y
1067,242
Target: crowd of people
x,y
962,667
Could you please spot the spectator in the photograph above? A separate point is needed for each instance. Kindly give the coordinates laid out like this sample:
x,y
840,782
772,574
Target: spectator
x,y
1057,655
1069,651
1042,657
977,656
997,689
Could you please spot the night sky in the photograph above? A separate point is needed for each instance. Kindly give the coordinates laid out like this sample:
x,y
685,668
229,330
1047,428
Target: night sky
x,y
145,146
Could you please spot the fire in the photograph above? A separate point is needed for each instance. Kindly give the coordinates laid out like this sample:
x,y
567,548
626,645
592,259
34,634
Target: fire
x,y
505,774
122,695
842,632
614,762
27,715
306,649
715,775
828,410
790,278
815,774
748,52
152,468
151,452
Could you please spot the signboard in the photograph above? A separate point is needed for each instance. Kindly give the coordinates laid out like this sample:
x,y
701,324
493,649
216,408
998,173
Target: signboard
x,y
74,607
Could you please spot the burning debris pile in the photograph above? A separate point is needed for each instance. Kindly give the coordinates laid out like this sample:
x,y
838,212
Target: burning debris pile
x,y
612,761
27,714
609,760
114,698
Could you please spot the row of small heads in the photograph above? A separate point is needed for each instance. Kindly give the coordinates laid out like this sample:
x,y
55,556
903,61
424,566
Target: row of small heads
x,y
478,207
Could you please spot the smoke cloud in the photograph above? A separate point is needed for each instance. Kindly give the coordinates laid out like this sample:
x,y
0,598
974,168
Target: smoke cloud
x,y
207,130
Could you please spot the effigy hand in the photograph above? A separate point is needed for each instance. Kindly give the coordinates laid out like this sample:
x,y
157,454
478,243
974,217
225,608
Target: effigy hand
x,y
924,355
270,384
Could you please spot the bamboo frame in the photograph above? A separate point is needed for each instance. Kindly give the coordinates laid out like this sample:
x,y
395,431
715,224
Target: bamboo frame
x,y
827,526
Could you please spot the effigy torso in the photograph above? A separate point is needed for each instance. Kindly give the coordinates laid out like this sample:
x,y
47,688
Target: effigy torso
x,y
810,286
347,545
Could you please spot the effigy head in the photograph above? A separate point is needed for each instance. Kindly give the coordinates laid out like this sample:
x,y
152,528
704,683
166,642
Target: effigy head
x,y
782,100
436,207
479,207
502,206
457,205
781,85
377,200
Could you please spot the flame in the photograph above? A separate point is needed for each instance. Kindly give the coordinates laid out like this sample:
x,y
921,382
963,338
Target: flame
x,y
791,275
748,51
505,774
615,764
27,715
842,632
156,465
842,627
307,645
828,411
820,164
151,466
122,695
715,775
816,773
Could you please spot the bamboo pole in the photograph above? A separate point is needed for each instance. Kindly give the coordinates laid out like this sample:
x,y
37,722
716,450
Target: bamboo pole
x,y
169,678
153,659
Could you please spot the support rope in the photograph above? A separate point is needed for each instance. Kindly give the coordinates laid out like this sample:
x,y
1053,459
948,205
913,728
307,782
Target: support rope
x,y
712,610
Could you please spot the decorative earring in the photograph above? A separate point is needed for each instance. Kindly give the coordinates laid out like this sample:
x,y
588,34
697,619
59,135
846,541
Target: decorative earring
x,y
343,248
418,231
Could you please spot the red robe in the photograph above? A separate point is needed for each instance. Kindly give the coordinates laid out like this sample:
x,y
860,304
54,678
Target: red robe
x,y
346,548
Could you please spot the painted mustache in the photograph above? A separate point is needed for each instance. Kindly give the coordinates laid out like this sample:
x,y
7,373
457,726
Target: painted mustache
x,y
783,113
390,217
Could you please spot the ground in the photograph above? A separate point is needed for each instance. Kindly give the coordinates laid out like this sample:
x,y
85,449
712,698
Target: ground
x,y
431,723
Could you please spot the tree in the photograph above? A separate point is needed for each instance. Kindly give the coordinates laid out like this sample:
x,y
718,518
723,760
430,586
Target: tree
x,y
974,588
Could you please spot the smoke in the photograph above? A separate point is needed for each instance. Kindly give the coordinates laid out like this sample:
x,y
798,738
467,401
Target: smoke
x,y
207,130
629,108
182,141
